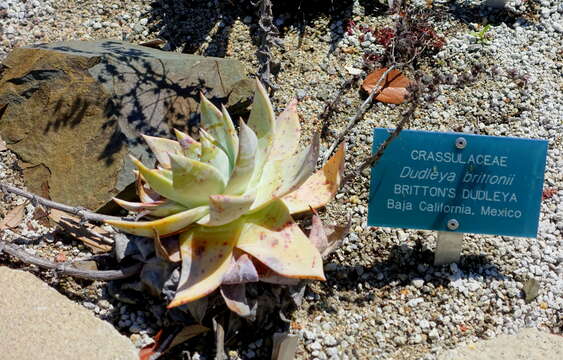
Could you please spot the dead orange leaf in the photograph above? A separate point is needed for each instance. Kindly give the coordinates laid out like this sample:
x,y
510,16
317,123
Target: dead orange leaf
x,y
13,218
394,89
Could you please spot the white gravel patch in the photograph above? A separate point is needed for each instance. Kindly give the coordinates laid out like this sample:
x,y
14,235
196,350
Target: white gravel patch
x,y
383,299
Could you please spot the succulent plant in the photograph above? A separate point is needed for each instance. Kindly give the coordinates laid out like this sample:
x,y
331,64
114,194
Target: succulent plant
x,y
230,200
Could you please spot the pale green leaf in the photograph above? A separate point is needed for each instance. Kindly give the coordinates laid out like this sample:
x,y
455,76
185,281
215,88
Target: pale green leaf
x,y
225,208
231,138
288,131
244,167
161,148
212,154
195,180
190,147
262,122
164,227
262,118
159,181
284,176
220,126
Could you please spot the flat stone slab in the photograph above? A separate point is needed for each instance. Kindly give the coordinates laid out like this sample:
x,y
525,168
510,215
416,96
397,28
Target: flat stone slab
x,y
528,344
39,323
72,111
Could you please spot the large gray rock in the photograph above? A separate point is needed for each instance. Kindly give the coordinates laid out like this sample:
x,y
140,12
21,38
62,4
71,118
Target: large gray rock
x,y
73,110
528,344
39,323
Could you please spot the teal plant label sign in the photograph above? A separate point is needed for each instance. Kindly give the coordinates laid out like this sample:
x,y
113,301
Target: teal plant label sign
x,y
458,182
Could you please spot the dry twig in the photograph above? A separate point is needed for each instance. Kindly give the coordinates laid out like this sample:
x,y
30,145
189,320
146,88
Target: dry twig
x,y
268,35
373,159
360,114
82,213
67,268
331,106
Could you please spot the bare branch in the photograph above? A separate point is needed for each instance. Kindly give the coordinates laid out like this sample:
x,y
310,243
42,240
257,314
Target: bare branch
x,y
67,268
82,213
331,106
360,114
267,35
373,159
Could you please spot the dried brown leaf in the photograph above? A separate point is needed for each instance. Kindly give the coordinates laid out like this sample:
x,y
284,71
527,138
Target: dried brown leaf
x,y
155,44
327,238
13,218
394,89
167,248
92,236
41,216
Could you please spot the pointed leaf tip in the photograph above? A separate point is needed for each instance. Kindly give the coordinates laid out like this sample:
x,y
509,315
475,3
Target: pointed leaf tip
x,y
287,134
320,188
195,180
165,226
246,161
161,148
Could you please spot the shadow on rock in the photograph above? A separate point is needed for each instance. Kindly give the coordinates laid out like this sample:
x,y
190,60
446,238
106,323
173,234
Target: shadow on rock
x,y
82,106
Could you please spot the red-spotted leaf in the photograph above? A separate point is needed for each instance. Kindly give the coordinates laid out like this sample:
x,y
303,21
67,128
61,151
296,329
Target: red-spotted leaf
x,y
206,258
394,87
273,238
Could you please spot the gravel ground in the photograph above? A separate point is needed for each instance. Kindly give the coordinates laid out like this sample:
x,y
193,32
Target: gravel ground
x,y
383,298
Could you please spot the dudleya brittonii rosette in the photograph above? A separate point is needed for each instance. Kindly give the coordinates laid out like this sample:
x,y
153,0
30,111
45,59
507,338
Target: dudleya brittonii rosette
x,y
230,199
